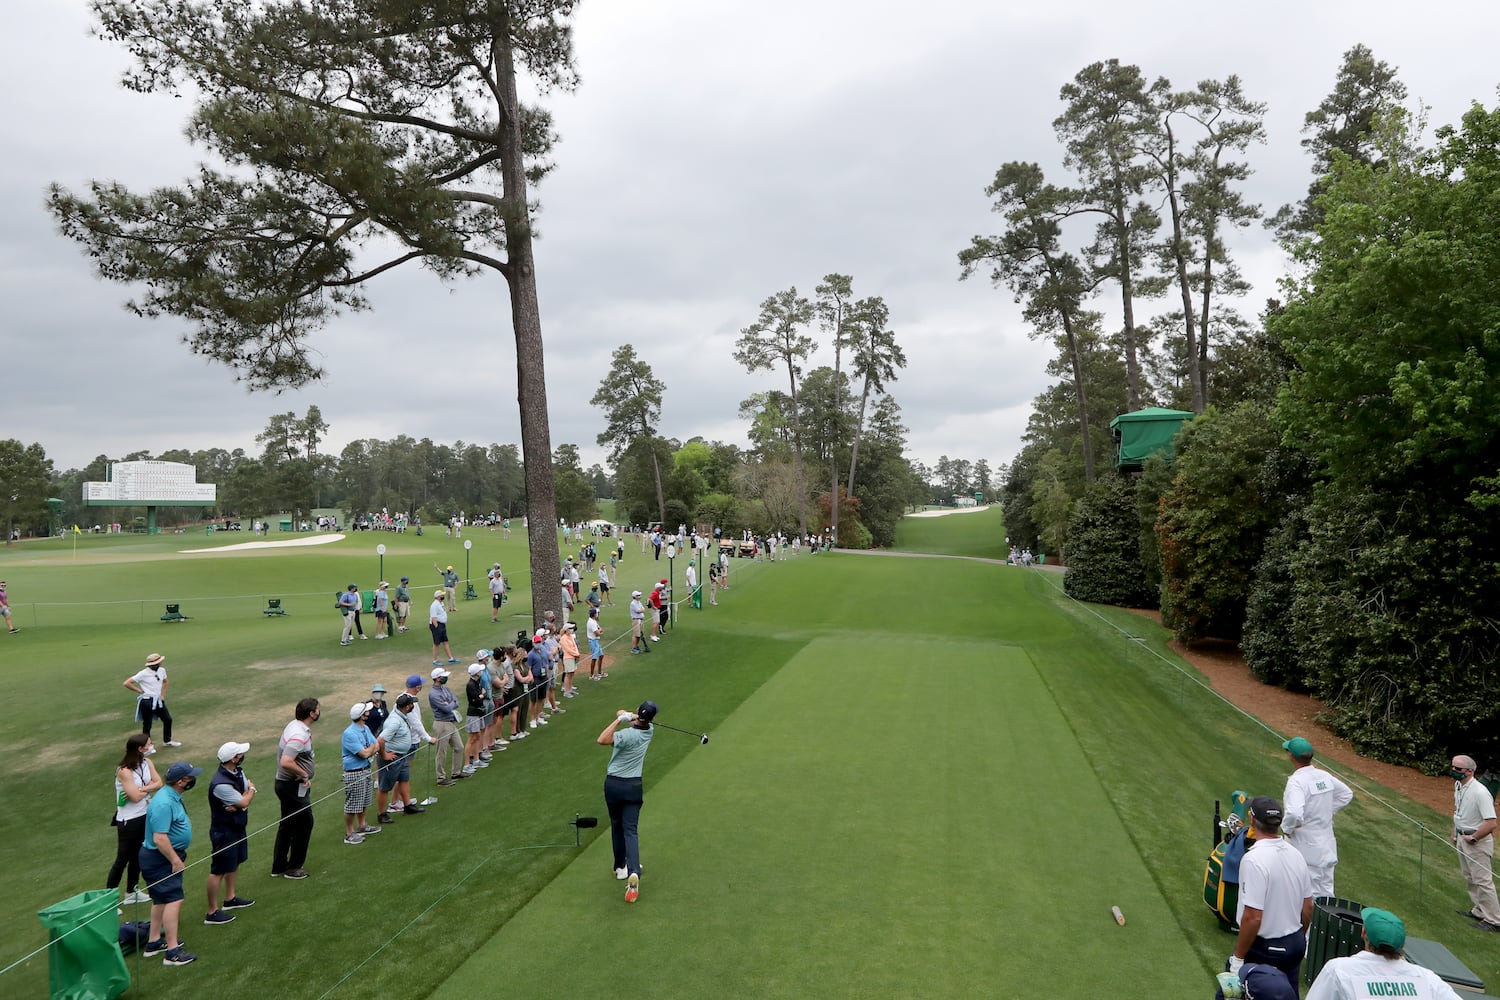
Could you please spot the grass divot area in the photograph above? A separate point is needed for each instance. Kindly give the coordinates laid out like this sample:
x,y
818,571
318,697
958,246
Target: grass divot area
x,y
836,839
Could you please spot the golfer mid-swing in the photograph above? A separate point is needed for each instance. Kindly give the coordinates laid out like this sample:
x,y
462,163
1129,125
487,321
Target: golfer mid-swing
x,y
622,789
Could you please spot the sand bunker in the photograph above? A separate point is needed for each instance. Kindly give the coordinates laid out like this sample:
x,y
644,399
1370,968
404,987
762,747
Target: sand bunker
x,y
945,513
289,543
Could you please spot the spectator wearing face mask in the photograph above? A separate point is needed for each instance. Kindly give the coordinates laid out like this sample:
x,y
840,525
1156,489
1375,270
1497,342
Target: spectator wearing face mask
x,y
163,859
359,748
420,734
398,742
449,755
230,793
1473,835
135,780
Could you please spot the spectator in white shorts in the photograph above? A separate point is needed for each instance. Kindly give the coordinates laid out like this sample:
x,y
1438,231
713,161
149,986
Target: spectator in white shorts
x,y
595,633
568,645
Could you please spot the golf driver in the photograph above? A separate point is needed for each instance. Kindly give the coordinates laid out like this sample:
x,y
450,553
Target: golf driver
x,y
702,737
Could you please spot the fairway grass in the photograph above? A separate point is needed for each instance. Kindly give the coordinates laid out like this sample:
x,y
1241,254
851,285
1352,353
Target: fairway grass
x,y
971,533
843,845
926,777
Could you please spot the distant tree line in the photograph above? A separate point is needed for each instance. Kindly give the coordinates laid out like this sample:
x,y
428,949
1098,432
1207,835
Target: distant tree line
x,y
701,482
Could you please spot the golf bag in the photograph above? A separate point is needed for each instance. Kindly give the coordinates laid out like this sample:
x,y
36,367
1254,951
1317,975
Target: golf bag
x,y
1221,875
134,934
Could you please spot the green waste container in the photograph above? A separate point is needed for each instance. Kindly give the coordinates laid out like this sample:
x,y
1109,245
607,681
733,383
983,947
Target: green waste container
x,y
83,958
285,524
1335,932
698,598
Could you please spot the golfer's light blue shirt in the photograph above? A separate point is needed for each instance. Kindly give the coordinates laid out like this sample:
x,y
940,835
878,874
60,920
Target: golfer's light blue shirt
x,y
629,755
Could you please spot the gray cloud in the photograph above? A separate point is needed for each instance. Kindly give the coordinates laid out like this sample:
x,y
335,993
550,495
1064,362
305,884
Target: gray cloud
x,y
714,154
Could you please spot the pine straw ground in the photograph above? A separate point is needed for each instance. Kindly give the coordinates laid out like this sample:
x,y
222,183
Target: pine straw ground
x,y
1297,715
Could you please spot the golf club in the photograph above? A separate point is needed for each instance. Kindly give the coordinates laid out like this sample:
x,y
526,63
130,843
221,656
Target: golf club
x,y
702,737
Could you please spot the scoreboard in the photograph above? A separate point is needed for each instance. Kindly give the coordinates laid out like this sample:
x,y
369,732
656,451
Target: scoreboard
x,y
164,484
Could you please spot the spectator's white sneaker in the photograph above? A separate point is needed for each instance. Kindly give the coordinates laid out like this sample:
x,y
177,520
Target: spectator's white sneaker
x,y
622,873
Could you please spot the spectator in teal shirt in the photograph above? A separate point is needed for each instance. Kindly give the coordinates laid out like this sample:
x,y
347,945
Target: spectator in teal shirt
x,y
163,858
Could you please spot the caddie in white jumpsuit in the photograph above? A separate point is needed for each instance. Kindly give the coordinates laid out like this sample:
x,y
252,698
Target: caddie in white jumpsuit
x,y
1311,798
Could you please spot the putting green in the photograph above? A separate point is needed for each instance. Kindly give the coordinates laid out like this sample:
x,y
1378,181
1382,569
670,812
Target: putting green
x,y
844,835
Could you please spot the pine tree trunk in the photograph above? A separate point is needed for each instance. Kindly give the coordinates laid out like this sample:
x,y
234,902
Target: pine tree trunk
x,y
833,462
1201,389
1082,396
859,432
797,453
1127,309
526,318
661,503
1179,256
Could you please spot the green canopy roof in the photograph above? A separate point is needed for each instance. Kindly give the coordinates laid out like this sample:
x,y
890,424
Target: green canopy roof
x,y
1142,433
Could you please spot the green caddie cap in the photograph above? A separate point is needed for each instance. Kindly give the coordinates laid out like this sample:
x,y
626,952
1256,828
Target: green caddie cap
x,y
1298,746
1383,927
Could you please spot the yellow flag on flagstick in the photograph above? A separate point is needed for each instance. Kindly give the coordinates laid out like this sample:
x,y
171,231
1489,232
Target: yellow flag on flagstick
x,y
76,531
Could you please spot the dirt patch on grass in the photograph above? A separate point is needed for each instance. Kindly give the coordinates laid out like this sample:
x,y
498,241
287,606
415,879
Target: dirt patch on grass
x,y
1297,715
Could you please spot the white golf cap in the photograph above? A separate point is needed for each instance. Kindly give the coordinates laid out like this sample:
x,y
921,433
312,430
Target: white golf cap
x,y
474,668
439,673
359,708
230,751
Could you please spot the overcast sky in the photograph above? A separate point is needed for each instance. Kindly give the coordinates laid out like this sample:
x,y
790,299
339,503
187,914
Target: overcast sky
x,y
717,151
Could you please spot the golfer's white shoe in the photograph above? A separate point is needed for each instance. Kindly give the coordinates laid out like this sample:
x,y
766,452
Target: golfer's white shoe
x,y
622,873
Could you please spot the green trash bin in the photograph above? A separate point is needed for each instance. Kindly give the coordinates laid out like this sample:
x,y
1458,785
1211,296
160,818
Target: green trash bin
x,y
83,959
1335,932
